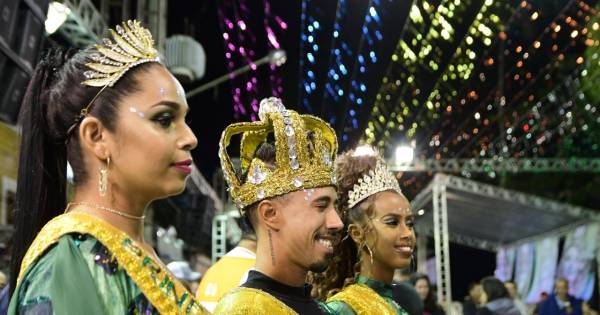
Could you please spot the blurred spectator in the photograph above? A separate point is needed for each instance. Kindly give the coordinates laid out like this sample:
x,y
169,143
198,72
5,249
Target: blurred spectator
x,y
513,292
182,271
423,286
543,297
230,271
3,280
405,294
560,302
471,302
587,309
495,299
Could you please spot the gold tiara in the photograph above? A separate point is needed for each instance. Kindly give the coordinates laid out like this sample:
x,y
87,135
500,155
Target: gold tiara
x,y
376,180
133,45
296,168
130,46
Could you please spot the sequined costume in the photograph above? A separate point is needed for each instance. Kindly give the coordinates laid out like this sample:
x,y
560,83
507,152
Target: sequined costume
x,y
366,296
264,295
98,269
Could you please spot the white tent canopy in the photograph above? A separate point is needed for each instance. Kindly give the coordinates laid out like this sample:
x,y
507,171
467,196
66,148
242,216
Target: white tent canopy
x,y
484,216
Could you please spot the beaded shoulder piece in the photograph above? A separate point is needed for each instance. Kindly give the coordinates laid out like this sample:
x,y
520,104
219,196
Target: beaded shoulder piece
x,y
158,285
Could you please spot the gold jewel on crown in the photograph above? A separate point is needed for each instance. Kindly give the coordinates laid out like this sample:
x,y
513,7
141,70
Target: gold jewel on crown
x,y
376,180
132,45
296,168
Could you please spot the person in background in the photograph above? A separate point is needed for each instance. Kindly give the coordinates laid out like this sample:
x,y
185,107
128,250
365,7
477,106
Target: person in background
x,y
513,292
495,300
230,271
3,280
471,302
405,294
560,302
587,309
423,286
184,273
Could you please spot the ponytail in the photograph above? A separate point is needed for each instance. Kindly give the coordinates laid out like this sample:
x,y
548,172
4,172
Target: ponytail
x,y
41,181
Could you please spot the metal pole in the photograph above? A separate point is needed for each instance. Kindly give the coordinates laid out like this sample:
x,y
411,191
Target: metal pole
x,y
437,237
421,253
226,77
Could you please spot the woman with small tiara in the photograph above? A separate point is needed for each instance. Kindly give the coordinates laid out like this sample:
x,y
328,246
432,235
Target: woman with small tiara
x,y
127,142
378,237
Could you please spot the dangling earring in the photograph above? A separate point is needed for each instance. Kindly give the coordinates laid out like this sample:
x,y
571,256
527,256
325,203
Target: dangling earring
x,y
103,183
413,264
370,252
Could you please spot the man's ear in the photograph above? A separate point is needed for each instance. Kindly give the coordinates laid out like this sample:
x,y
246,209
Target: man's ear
x,y
93,138
269,213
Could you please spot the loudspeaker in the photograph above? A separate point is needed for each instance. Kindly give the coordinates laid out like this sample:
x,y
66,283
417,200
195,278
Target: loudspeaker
x,y
14,82
8,14
28,43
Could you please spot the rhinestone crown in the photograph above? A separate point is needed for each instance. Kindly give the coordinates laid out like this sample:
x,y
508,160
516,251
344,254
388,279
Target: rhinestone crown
x,y
296,168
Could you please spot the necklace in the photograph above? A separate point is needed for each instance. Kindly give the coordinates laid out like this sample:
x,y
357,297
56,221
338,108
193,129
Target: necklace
x,y
107,209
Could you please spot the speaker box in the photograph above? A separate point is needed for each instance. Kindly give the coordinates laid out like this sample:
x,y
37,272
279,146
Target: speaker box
x,y
39,8
8,14
28,42
14,80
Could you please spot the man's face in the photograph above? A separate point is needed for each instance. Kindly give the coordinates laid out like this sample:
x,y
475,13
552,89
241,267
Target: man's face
x,y
512,289
561,288
311,227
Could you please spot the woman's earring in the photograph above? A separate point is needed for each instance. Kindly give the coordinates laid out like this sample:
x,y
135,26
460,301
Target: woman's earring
x,y
370,252
103,184
413,264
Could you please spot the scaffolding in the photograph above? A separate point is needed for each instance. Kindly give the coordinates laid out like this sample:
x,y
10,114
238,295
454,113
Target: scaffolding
x,y
510,165
484,216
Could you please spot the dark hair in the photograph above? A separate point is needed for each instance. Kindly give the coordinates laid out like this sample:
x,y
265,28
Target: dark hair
x,y
267,153
346,263
493,288
51,105
429,304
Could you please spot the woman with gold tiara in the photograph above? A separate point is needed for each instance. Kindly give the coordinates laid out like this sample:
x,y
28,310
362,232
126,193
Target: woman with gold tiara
x,y
127,142
378,239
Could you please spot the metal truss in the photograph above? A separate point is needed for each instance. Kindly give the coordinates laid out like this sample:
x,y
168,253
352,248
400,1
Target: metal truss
x,y
442,242
460,239
219,237
510,165
546,204
84,25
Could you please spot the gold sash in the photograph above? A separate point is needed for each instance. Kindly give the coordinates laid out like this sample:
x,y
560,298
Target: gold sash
x,y
246,301
363,300
156,283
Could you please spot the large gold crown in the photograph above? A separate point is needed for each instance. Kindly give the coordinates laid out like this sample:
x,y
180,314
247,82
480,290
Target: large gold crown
x,y
376,180
297,167
132,45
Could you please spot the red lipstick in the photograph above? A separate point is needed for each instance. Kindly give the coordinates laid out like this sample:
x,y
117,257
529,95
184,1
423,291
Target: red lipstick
x,y
184,166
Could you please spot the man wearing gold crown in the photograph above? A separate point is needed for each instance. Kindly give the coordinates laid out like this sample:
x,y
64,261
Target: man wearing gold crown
x,y
286,190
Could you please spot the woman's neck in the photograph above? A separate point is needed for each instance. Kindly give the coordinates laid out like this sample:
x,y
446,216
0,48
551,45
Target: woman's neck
x,y
93,203
375,270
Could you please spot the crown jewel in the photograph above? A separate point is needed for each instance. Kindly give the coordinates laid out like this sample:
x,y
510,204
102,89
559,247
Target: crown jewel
x,y
130,46
376,180
296,168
